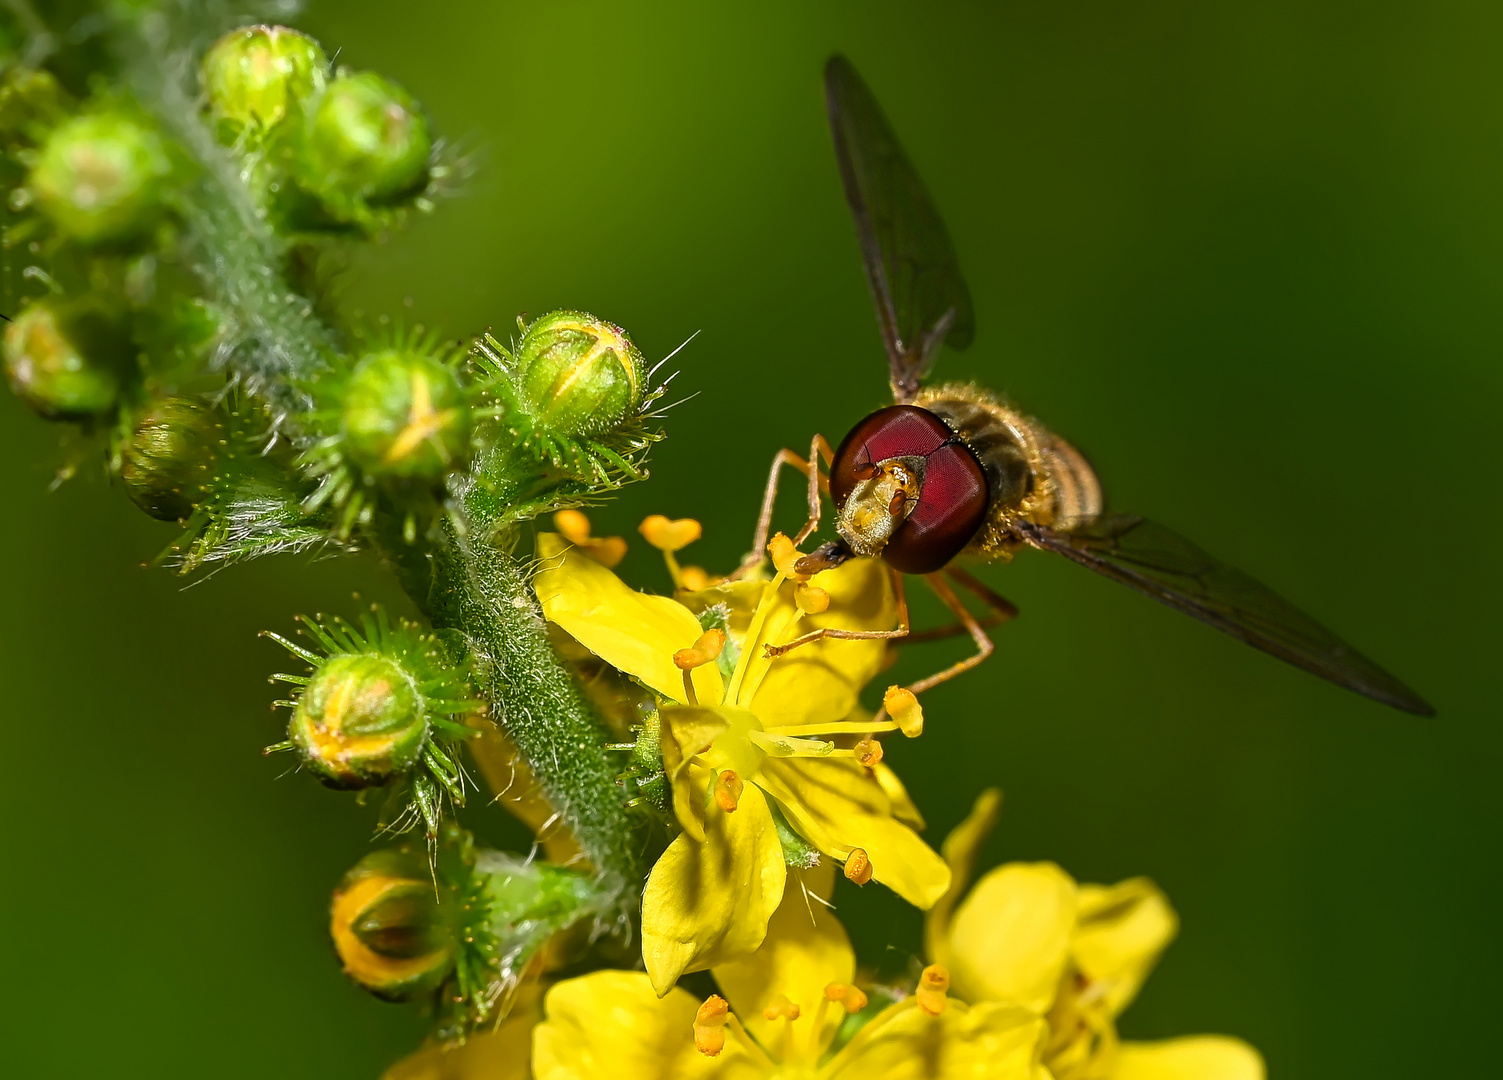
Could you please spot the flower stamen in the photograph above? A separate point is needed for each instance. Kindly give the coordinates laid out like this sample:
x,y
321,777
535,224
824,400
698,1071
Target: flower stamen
x,y
933,990
900,704
705,650
668,537
851,998
780,1008
858,867
785,557
728,788
574,527
709,1025
777,744
811,599
868,752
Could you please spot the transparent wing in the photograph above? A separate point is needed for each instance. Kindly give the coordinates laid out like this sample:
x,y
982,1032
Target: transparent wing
x,y
915,277
1169,568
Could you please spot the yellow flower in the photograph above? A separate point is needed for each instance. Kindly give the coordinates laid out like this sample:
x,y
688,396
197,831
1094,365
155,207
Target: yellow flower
x,y
780,1017
745,742
1027,934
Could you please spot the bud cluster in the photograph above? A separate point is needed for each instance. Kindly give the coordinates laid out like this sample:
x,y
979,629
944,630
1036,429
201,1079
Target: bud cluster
x,y
330,150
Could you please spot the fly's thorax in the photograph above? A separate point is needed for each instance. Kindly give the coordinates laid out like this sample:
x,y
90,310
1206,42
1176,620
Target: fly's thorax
x,y
1033,475
885,493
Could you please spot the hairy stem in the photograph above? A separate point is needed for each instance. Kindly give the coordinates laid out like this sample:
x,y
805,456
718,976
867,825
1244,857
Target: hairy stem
x,y
480,587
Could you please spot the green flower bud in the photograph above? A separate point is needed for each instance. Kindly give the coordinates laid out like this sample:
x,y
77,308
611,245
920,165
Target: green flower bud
x,y
170,458
388,926
405,415
368,140
577,374
100,178
360,721
49,370
261,74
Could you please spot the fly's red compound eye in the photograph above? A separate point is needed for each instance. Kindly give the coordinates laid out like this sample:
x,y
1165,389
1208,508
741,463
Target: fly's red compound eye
x,y
952,501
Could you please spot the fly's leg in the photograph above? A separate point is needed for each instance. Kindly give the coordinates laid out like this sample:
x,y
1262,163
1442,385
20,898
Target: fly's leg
x,y
999,609
820,447
900,631
984,644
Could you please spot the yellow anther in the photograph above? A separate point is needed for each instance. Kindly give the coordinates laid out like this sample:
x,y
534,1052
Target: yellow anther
x,y
933,985
904,708
694,578
785,557
709,1025
811,599
574,527
668,535
851,998
858,866
704,651
781,1009
728,788
868,752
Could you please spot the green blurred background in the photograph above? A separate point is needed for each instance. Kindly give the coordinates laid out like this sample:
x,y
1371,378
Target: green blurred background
x,y
1246,255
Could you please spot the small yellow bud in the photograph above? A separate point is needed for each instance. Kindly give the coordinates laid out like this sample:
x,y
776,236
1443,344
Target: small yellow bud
x,y
933,986
666,535
858,867
905,710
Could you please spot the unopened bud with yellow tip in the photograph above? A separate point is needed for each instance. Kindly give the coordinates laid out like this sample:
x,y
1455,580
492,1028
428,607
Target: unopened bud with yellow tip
x,y
578,375
388,928
359,722
405,415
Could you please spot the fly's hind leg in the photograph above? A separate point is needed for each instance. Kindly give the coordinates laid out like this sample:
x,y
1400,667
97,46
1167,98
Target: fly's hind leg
x,y
999,610
984,646
819,447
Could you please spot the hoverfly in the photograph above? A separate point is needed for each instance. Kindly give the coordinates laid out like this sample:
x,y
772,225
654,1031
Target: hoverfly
x,y
951,470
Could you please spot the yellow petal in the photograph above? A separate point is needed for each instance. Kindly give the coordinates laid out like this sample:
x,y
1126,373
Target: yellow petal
x,y
687,732
1010,939
819,682
806,950
501,1053
903,806
985,1042
960,850
708,903
1194,1057
1120,931
610,1023
739,597
633,632
837,808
